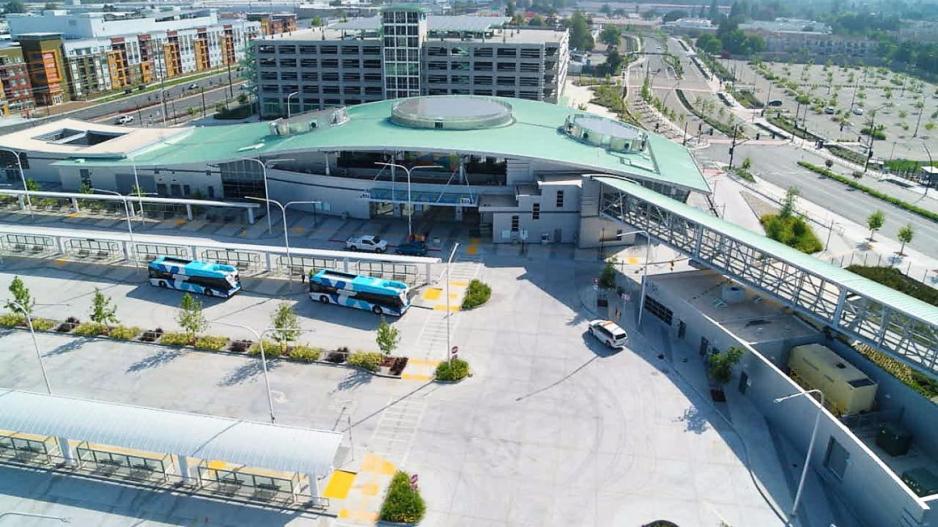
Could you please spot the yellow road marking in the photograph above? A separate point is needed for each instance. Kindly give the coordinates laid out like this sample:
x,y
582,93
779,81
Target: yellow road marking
x,y
181,222
472,249
377,464
422,362
416,377
60,261
433,293
459,283
370,489
339,485
631,260
364,516
217,465
443,308
73,214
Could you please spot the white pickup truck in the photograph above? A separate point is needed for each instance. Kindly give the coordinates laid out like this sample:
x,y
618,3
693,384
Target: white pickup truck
x,y
367,243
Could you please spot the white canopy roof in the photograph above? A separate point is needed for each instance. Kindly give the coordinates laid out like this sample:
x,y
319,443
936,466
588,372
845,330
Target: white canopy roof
x,y
262,445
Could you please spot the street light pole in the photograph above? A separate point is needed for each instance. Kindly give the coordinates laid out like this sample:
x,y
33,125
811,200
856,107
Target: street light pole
x,y
931,163
449,313
641,301
19,165
286,235
130,229
133,163
807,457
32,332
410,205
288,102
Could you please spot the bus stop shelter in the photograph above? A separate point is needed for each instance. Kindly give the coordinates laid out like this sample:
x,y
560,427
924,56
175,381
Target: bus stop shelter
x,y
216,454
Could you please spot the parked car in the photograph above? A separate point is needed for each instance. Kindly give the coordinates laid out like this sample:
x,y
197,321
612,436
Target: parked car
x,y
368,243
775,103
124,119
829,110
414,248
609,333
193,86
858,111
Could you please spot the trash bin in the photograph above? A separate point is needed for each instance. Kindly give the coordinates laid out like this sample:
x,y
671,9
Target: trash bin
x,y
894,439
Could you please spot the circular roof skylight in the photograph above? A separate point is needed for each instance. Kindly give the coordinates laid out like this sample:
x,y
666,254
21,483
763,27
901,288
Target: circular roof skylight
x,y
451,112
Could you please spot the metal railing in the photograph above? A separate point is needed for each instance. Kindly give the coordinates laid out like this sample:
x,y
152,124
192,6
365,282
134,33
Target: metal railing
x,y
251,260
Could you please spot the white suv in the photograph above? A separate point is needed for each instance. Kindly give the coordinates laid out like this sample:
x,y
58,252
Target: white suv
x,y
124,119
609,333
367,243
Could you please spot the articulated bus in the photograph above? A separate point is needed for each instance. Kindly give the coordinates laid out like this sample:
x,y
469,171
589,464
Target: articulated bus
x,y
381,297
194,276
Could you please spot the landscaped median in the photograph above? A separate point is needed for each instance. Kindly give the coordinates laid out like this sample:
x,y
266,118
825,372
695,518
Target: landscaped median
x,y
872,192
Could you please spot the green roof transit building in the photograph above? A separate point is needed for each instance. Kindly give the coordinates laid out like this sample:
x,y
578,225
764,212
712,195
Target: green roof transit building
x,y
512,166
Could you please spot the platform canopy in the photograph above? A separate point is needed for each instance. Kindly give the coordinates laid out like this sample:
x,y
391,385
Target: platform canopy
x,y
262,445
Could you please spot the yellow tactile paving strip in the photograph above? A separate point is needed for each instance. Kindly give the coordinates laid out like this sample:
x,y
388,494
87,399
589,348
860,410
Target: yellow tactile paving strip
x,y
340,483
421,370
362,502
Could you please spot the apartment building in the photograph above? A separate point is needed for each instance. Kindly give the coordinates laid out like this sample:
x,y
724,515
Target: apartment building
x,y
102,52
274,23
46,67
16,89
406,52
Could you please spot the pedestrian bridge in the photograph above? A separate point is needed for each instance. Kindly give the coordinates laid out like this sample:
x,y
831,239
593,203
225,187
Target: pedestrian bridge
x,y
892,322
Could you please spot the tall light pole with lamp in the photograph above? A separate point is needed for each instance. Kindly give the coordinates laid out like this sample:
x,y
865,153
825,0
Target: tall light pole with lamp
x,y
931,163
288,102
641,300
16,306
264,165
872,134
260,343
410,205
130,229
283,209
807,457
19,165
449,312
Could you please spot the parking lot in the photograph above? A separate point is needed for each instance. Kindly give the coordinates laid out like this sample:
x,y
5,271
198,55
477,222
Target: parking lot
x,y
894,97
552,429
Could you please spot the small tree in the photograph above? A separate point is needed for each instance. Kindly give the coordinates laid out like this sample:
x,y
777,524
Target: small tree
x,y
388,337
721,364
286,324
905,236
22,301
190,317
788,204
102,310
32,185
875,222
607,278
747,164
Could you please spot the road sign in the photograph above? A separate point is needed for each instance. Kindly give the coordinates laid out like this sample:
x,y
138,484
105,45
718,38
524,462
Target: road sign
x,y
626,297
413,481
454,352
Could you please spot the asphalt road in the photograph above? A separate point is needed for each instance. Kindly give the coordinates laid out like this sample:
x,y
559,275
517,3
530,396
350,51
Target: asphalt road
x,y
778,165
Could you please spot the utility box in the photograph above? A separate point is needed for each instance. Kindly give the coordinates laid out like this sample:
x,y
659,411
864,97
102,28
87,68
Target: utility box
x,y
847,390
894,439
922,481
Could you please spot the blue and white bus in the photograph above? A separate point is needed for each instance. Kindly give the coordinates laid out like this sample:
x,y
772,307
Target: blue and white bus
x,y
381,297
194,276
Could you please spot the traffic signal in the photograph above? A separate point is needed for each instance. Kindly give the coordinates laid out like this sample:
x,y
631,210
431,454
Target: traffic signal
x,y
757,136
711,131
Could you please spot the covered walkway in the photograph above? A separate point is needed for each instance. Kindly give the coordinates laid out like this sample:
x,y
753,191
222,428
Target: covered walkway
x,y
889,321
217,456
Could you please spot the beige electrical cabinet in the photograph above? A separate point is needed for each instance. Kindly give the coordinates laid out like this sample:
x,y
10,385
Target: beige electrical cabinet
x,y
847,390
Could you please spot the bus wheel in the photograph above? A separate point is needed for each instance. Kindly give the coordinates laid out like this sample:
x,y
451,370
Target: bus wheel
x,y
377,310
324,299
208,292
163,284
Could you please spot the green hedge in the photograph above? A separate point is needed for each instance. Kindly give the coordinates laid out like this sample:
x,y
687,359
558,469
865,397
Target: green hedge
x,y
123,332
454,370
174,339
403,503
210,343
722,127
370,360
872,192
793,231
90,329
304,353
789,127
893,278
847,154
272,349
477,294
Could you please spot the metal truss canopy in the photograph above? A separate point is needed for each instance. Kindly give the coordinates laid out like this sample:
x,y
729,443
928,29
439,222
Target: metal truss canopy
x,y
898,325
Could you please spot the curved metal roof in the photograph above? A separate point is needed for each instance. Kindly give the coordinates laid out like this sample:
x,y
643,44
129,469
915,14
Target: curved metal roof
x,y
276,447
536,133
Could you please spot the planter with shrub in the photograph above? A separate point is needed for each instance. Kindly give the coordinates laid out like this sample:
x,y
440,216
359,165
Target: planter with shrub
x,y
90,329
477,294
240,346
368,360
452,371
151,335
210,343
69,324
124,332
403,503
